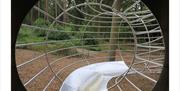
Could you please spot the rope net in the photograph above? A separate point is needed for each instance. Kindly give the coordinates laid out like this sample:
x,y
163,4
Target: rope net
x,y
59,36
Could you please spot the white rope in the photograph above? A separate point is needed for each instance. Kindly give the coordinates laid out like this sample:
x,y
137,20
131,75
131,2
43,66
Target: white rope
x,y
129,19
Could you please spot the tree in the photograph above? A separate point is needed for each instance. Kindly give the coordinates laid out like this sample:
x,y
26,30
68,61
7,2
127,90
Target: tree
x,y
114,30
46,9
65,6
56,9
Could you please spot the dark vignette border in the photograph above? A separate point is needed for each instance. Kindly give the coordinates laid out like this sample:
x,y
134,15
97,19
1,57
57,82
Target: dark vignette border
x,y
20,8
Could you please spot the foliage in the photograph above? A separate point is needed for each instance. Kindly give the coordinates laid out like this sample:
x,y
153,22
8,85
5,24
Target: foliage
x,y
64,32
41,23
58,36
89,39
26,35
125,34
61,33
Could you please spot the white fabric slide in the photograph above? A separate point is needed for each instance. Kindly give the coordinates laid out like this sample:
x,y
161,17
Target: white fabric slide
x,y
93,77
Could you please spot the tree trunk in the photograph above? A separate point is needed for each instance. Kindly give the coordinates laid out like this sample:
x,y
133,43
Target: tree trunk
x,y
38,10
98,28
55,9
65,17
31,16
46,9
114,30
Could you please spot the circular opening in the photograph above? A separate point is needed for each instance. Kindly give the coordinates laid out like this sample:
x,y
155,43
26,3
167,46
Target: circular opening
x,y
59,37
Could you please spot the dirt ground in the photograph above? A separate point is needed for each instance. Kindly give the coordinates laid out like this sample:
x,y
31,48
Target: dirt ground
x,y
29,70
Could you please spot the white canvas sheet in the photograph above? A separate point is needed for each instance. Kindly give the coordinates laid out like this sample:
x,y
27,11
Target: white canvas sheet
x,y
94,77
